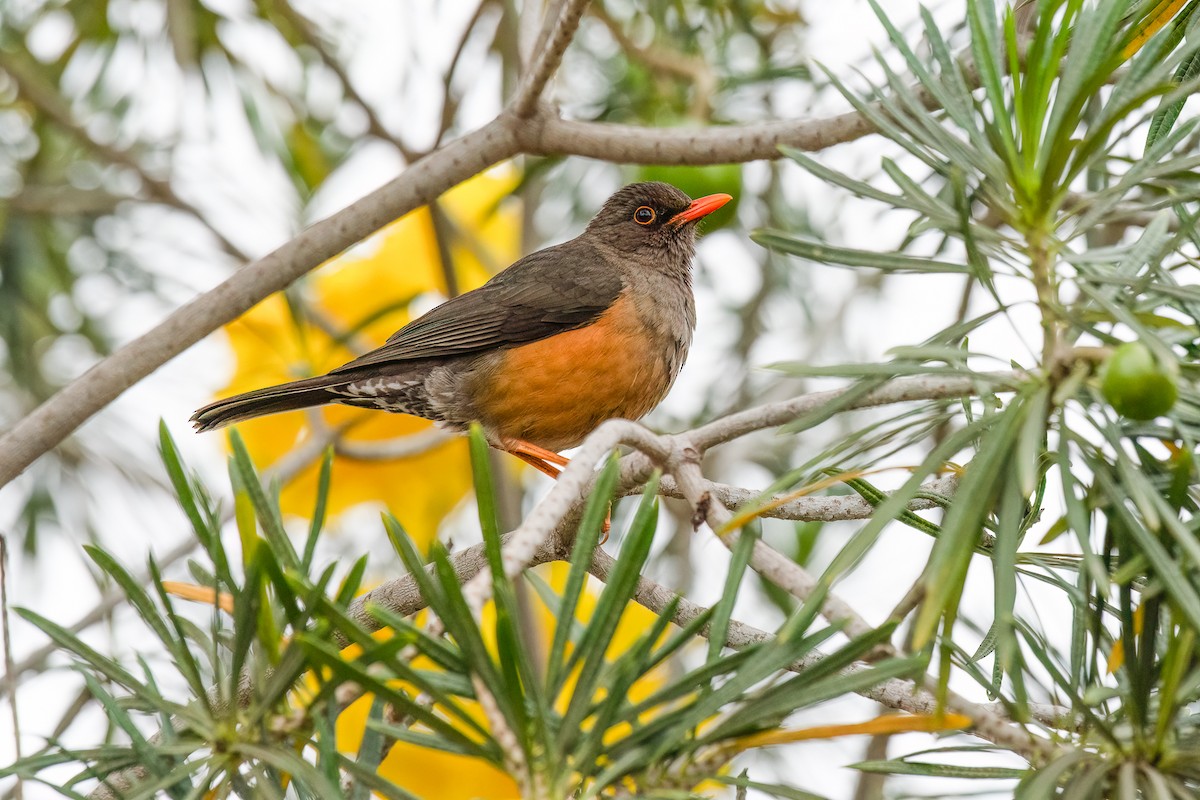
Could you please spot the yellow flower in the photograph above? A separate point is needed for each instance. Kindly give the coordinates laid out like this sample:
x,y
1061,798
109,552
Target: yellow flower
x,y
368,291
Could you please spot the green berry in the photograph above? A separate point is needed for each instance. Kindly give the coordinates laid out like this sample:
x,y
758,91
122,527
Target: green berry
x,y
1136,384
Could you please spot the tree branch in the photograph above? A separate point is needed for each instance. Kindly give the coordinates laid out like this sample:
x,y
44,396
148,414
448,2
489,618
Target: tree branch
x,y
544,534
630,144
991,722
418,185
541,134
680,456
926,387
805,509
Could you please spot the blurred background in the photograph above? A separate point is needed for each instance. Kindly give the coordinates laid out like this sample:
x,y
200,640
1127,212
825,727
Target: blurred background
x,y
148,148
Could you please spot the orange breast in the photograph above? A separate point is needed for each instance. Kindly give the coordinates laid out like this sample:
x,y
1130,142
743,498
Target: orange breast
x,y
556,391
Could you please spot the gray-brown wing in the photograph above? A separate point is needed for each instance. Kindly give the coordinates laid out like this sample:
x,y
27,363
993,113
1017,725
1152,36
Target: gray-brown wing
x,y
547,292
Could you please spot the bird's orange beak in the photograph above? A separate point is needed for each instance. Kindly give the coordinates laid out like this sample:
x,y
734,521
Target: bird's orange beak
x,y
700,208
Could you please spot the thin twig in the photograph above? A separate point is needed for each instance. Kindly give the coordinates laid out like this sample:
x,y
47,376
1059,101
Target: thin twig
x,y
807,509
449,100
439,220
354,341
548,57
931,387
310,36
694,70
414,444
764,559
65,201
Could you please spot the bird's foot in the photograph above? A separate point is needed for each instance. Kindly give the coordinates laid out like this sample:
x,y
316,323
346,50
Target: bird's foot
x,y
550,463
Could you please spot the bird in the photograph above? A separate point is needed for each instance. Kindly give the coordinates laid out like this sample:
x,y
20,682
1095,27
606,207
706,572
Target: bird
x,y
567,337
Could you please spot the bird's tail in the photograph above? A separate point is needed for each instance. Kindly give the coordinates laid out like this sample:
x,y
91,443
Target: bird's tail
x,y
271,400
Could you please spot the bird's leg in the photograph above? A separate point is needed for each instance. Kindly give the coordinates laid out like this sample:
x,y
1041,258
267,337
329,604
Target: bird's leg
x,y
538,464
550,463
528,451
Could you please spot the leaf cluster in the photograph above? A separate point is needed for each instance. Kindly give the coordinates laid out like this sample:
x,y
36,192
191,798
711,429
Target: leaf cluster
x,y
268,677
1026,153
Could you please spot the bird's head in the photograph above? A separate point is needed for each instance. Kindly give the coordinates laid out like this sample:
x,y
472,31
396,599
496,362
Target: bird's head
x,y
655,220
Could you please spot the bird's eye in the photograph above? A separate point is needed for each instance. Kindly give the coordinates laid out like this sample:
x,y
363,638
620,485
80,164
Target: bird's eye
x,y
644,215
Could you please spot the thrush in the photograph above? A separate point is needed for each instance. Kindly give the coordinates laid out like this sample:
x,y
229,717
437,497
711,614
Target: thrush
x,y
567,337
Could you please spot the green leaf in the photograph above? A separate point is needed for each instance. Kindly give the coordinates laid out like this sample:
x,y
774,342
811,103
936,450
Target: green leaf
x,y
106,666
617,593
177,645
373,781
902,767
897,502
118,715
248,615
875,496
1044,782
370,748
460,623
203,521
1164,119
321,504
594,512
289,763
823,680
687,683
356,671
266,511
140,599
829,175
614,688
990,62
422,739
512,654
776,789
947,89
825,253
973,500
723,609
